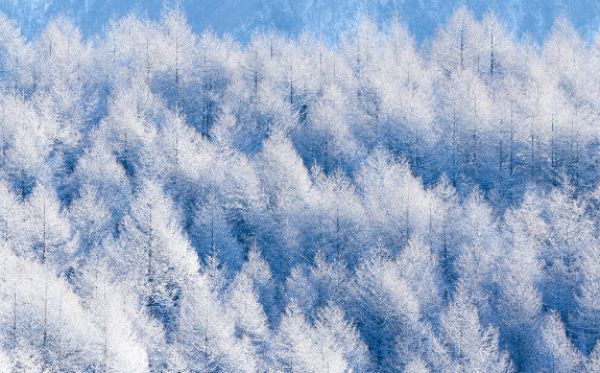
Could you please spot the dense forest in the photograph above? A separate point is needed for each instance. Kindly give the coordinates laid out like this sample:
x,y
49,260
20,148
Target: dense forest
x,y
175,202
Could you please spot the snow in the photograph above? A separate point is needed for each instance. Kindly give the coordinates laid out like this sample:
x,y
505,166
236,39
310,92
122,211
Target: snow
x,y
172,201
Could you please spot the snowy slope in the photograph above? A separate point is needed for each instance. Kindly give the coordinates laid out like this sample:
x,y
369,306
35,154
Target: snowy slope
x,y
324,17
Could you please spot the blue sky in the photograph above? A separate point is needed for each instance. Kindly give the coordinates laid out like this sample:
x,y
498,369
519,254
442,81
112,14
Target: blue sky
x,y
321,17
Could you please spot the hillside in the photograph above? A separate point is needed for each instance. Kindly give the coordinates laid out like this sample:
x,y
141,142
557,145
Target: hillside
x,y
180,202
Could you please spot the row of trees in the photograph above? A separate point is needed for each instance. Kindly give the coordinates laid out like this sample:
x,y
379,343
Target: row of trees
x,y
179,202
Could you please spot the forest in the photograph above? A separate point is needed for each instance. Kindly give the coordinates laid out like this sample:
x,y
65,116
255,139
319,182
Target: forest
x,y
182,202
